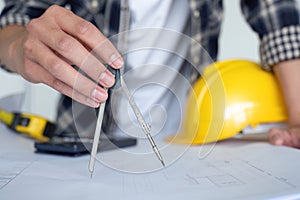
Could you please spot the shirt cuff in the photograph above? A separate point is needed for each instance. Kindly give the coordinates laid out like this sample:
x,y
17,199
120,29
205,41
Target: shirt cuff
x,y
280,45
13,19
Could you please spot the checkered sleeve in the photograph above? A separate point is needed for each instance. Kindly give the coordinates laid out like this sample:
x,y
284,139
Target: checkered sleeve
x,y
281,45
278,26
20,12
16,19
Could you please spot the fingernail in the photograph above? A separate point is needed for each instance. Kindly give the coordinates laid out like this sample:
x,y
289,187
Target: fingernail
x,y
98,95
92,103
276,140
117,62
107,79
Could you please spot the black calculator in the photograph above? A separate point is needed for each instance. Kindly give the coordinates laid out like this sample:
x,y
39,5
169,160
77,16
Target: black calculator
x,y
76,146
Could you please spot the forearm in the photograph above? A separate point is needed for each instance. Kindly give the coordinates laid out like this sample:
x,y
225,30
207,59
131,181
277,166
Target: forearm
x,y
288,74
10,37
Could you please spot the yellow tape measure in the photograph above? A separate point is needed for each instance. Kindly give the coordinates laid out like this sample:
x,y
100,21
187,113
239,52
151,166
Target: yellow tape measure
x,y
31,125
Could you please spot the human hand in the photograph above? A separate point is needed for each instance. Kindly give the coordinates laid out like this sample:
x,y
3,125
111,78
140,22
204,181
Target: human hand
x,y
56,40
287,73
289,136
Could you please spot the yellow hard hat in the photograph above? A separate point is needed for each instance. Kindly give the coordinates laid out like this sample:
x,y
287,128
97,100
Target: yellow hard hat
x,y
229,96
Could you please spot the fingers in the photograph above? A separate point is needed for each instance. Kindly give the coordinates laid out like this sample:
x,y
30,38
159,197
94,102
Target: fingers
x,y
70,42
63,76
285,136
276,136
70,48
87,33
61,86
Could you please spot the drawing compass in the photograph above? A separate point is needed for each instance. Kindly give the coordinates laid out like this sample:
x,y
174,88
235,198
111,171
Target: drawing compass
x,y
119,82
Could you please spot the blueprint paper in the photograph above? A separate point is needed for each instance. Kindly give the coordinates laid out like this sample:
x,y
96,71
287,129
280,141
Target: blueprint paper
x,y
230,170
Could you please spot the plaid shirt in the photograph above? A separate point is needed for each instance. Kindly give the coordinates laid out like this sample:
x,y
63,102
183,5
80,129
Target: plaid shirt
x,y
275,21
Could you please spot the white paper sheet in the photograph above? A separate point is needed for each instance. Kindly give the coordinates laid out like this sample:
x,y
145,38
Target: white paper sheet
x,y
231,170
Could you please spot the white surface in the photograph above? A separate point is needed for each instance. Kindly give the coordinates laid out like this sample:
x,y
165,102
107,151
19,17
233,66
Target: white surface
x,y
230,170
